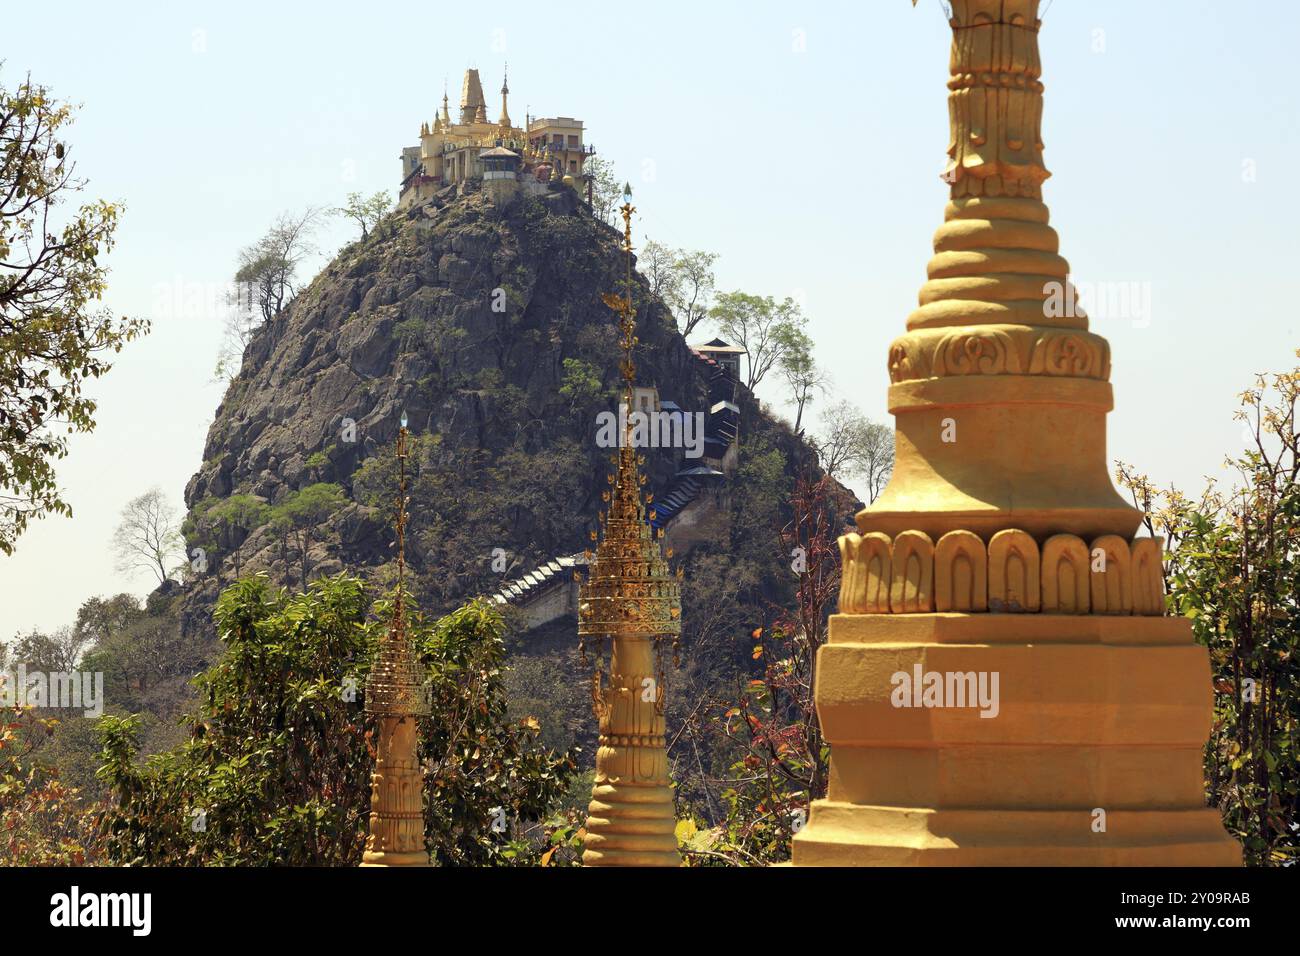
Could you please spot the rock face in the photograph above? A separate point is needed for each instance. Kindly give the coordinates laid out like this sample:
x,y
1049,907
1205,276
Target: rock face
x,y
486,326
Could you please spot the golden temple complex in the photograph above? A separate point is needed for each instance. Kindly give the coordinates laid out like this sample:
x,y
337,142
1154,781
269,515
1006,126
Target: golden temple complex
x,y
472,147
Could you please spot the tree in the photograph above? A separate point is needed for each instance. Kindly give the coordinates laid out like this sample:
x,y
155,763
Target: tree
x,y
1233,567
850,444
55,653
305,510
606,190
223,523
148,537
783,762
366,213
582,384
682,278
764,328
99,618
148,652
801,372
279,757
267,271
241,325
693,290
53,337
43,822
241,515
658,263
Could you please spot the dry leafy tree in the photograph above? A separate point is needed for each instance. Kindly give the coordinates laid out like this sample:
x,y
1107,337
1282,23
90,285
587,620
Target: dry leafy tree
x,y
606,190
657,263
682,278
1233,567
43,822
266,279
693,296
54,653
802,374
766,329
851,445
783,760
148,536
53,333
365,212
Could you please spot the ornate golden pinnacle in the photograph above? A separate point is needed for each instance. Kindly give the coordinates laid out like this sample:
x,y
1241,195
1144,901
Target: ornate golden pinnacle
x,y
396,686
629,587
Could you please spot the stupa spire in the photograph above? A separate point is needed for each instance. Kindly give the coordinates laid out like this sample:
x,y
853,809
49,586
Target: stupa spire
x,y
472,103
397,693
631,598
1024,385
505,92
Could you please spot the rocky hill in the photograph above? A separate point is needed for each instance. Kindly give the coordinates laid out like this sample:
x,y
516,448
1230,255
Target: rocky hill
x,y
486,326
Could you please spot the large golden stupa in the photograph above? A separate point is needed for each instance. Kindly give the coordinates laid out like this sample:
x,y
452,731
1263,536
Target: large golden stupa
x,y
1000,557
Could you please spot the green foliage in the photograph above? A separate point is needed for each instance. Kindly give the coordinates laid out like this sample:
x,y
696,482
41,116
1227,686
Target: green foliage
x,y
366,212
582,383
410,332
477,759
300,514
606,191
221,524
277,767
1234,569
43,822
768,330
52,337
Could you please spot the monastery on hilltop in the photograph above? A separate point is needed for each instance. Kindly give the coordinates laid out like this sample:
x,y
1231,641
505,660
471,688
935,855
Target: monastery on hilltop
x,y
474,148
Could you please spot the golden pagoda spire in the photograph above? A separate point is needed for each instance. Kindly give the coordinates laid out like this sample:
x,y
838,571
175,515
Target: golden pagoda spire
x,y
631,597
505,92
396,692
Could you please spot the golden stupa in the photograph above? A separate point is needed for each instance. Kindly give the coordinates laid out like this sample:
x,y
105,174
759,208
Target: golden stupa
x,y
632,598
1001,558
398,694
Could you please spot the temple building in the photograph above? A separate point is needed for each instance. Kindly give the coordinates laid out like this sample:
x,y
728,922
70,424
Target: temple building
x,y
470,147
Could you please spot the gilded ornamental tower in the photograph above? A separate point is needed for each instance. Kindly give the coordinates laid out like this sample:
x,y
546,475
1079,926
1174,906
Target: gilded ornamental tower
x,y
397,693
631,598
1000,556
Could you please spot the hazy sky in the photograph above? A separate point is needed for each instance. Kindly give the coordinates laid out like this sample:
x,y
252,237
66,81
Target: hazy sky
x,y
802,142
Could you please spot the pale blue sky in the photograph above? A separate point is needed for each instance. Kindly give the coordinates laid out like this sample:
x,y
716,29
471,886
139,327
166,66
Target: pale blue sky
x,y
801,142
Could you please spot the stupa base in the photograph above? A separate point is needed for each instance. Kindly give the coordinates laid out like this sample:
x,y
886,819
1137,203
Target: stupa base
x,y
381,858
1014,740
846,834
629,825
